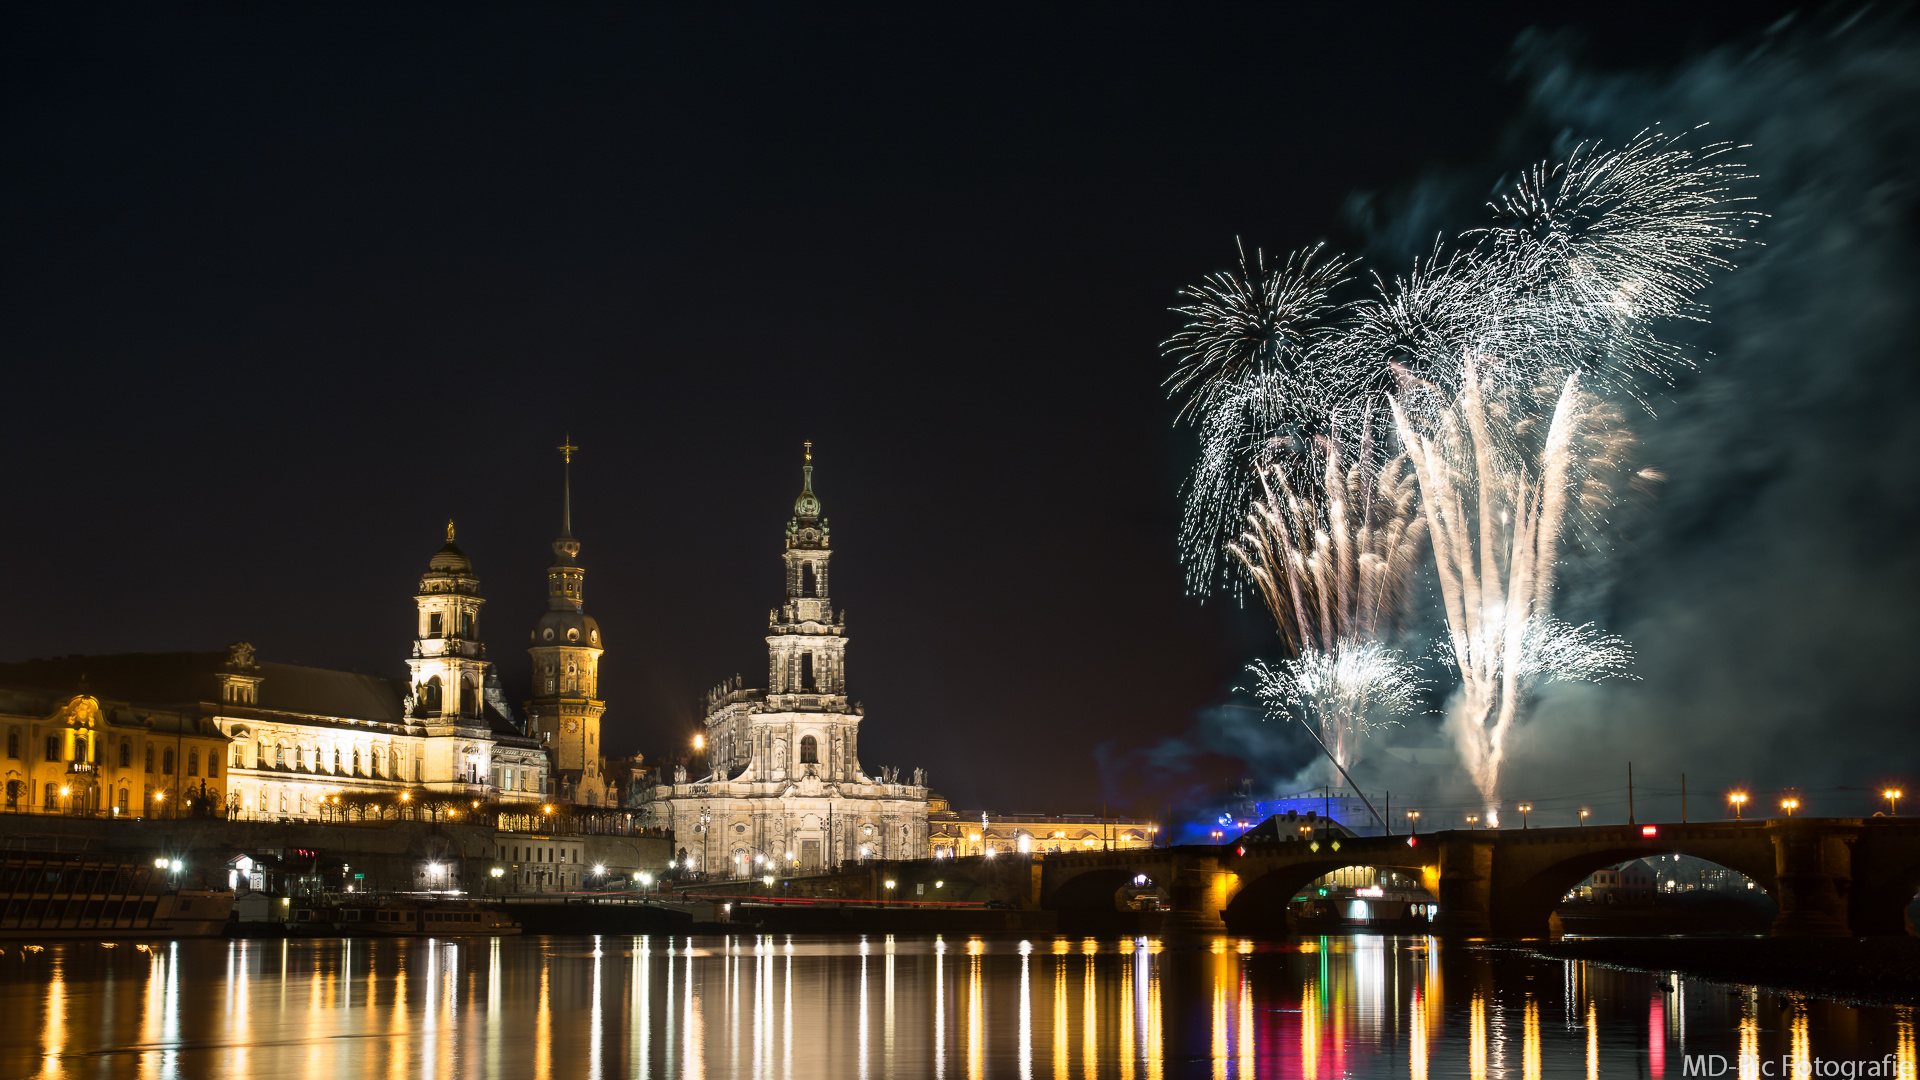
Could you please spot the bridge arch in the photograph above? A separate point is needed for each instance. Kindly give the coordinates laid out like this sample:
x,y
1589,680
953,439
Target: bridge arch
x,y
1532,877
1265,892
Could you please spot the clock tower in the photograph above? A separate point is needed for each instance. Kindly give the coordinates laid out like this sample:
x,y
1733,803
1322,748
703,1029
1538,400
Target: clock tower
x,y
566,707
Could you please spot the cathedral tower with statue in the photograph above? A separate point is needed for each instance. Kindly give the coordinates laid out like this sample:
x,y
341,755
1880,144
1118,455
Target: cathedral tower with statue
x,y
786,792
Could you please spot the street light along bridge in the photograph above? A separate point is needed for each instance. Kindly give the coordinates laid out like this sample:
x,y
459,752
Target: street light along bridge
x,y
1829,876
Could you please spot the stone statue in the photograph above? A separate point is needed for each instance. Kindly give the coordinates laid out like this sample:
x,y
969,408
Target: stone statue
x,y
679,774
240,655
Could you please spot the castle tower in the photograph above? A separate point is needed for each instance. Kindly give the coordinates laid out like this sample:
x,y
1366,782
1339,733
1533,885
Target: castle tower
x,y
565,710
449,670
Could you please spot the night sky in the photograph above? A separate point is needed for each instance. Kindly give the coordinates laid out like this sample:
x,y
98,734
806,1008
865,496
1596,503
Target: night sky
x,y
285,290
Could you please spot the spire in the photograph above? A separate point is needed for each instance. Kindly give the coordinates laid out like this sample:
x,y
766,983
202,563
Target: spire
x,y
566,486
807,506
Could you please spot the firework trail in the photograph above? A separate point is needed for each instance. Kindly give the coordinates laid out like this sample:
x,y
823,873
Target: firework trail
x,y
1497,510
1332,562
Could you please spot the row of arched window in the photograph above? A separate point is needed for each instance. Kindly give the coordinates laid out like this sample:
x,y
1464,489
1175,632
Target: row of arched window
x,y
375,761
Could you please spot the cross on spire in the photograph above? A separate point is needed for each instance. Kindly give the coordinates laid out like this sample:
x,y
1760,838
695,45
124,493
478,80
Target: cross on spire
x,y
566,449
809,446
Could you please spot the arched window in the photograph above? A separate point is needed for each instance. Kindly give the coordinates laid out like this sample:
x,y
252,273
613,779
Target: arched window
x,y
469,700
149,759
806,671
336,759
356,759
807,585
430,695
809,750
280,758
213,763
373,760
13,744
166,763
393,764
123,800
126,753
193,763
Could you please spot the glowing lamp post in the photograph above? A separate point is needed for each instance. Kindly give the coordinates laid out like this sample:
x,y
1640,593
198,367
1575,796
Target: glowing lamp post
x,y
1413,822
1892,795
1789,805
1524,809
1472,820
1739,801
1583,817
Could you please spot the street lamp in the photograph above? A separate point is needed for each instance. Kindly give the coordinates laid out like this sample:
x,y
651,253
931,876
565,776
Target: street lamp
x,y
1583,816
1413,822
1524,808
1472,820
1892,795
1789,805
1739,801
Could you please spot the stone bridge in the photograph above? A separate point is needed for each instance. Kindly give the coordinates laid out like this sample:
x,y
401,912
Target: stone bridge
x,y
1829,876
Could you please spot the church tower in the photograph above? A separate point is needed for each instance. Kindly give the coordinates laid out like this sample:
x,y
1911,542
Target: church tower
x,y
787,791
566,707
803,725
449,671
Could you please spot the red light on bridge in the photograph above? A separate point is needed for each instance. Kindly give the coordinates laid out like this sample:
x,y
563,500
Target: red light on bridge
x,y
1412,840
1649,830
1240,851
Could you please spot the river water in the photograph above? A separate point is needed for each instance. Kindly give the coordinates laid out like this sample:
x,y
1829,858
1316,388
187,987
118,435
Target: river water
x,y
962,1007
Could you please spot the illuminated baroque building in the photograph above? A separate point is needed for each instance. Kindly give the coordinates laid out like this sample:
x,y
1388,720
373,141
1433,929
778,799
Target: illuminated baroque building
x,y
163,734
172,733
786,788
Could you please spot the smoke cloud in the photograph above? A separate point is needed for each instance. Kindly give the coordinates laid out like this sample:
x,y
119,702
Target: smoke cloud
x,y
1770,585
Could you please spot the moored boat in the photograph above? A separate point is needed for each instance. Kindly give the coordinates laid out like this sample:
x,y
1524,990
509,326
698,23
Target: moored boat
x,y
48,895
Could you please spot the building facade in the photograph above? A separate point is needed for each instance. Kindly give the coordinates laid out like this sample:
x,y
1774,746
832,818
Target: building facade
x,y
786,790
231,734
71,752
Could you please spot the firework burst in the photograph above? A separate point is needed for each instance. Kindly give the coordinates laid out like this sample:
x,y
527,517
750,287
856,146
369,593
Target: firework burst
x,y
1345,695
1331,562
1494,362
1253,373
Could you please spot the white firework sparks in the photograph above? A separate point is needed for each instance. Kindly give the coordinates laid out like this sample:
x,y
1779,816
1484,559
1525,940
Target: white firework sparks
x,y
1252,370
1589,262
1345,694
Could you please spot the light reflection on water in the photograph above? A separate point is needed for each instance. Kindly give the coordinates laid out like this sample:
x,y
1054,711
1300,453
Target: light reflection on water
x,y
766,1006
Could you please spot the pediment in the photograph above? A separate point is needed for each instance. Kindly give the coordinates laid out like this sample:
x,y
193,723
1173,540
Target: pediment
x,y
82,711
